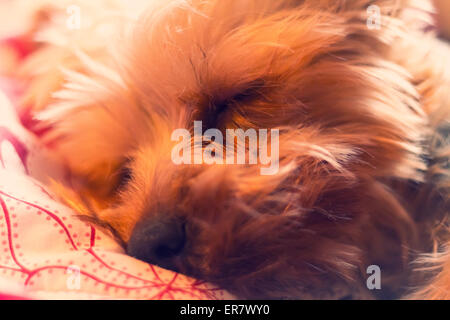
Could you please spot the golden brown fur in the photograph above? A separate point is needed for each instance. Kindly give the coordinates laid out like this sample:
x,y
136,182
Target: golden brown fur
x,y
364,173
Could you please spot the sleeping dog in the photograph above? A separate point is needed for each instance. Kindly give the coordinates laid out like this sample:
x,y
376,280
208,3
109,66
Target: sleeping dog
x,y
358,90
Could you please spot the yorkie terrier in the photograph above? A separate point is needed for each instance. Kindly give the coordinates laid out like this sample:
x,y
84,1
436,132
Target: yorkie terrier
x,y
358,92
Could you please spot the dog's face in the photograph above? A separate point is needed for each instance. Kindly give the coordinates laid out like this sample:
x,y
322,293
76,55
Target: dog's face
x,y
319,77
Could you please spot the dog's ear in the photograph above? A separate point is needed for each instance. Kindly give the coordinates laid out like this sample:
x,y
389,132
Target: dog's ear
x,y
57,29
93,123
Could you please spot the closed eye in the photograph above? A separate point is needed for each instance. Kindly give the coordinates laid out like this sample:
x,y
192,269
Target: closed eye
x,y
124,176
217,109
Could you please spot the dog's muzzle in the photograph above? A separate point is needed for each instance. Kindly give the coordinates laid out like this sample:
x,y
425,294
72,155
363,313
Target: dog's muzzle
x,y
158,241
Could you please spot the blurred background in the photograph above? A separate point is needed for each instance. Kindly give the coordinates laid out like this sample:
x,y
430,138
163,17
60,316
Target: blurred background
x,y
18,18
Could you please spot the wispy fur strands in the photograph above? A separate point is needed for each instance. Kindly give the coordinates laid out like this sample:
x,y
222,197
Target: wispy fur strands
x,y
356,109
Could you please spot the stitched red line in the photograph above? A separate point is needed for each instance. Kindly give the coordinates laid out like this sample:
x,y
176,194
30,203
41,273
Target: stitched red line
x,y
152,268
92,243
110,284
62,225
8,226
12,269
166,289
92,252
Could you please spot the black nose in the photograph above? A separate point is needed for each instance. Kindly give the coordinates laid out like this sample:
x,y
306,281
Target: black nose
x,y
158,241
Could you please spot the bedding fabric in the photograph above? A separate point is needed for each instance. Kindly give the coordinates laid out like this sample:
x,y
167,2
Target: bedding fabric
x,y
47,253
